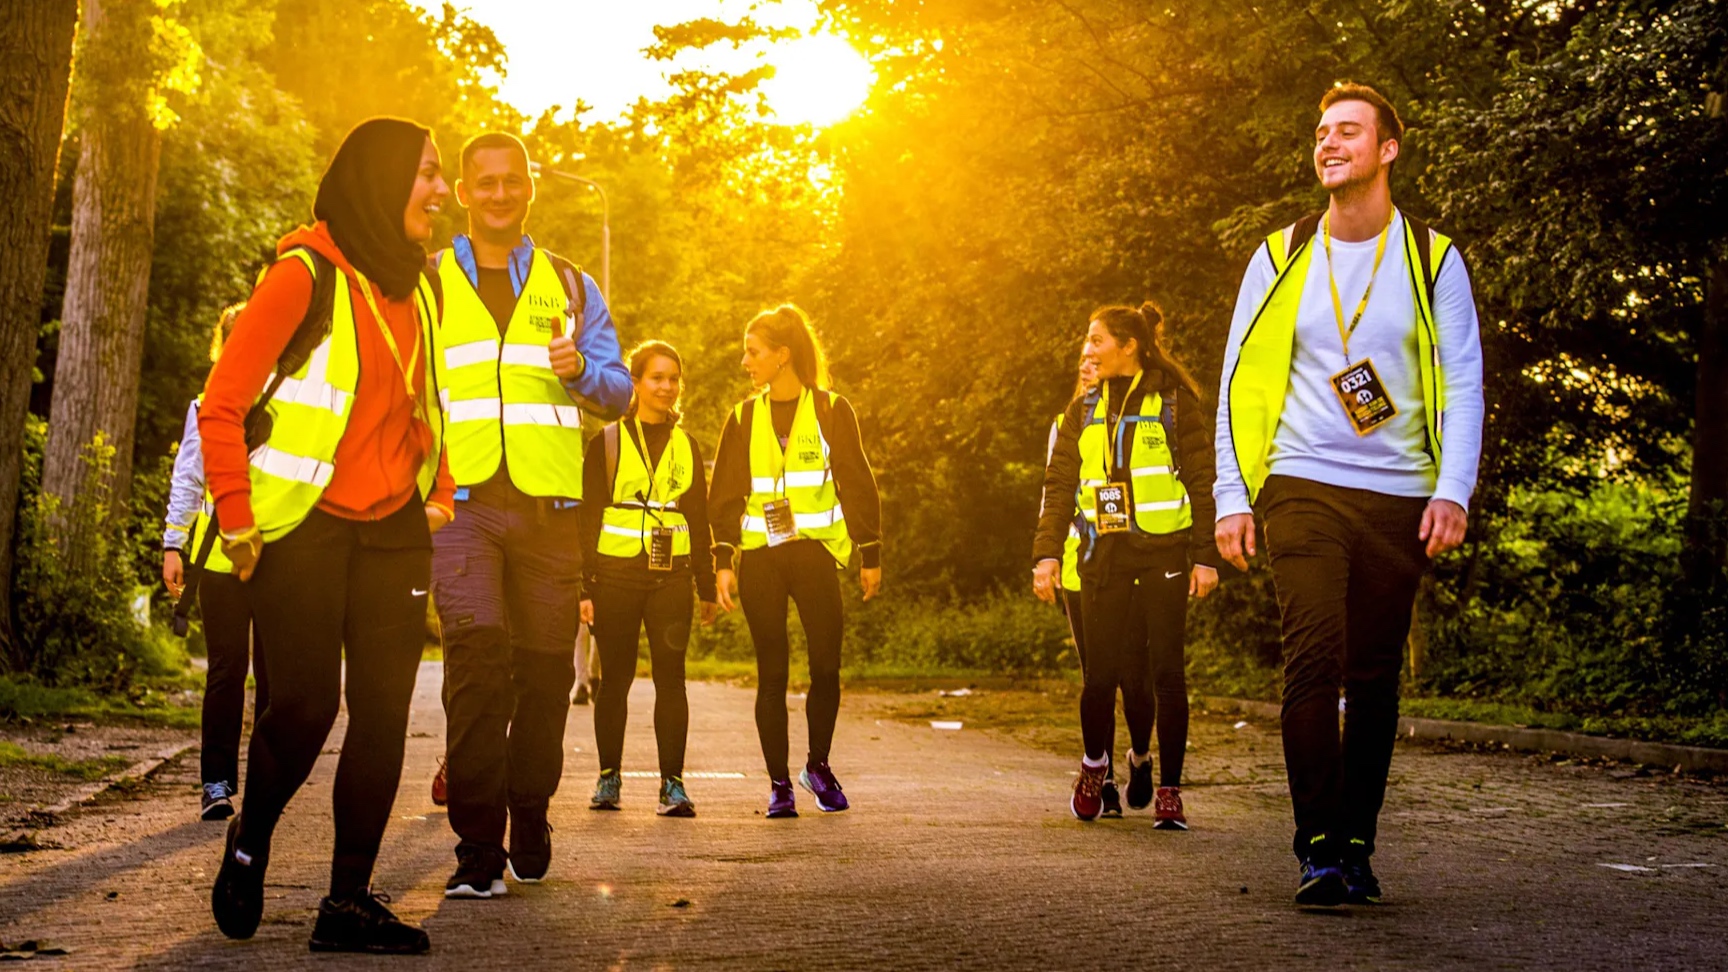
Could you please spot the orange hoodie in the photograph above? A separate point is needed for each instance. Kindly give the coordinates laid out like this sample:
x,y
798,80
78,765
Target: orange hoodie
x,y
380,454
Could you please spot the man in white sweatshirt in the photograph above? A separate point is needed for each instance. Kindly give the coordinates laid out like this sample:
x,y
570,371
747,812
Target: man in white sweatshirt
x,y
1350,419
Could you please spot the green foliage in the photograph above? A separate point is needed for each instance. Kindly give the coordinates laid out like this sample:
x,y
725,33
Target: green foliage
x,y
76,627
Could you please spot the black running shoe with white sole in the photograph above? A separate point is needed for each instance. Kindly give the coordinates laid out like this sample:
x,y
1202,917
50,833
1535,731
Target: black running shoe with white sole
x,y
237,898
360,922
1139,783
530,844
479,874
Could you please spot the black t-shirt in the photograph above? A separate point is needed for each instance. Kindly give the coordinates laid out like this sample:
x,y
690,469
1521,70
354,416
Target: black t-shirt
x,y
498,294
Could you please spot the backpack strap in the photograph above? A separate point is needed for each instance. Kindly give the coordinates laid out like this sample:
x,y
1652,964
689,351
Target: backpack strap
x,y
1283,245
1424,252
314,328
609,436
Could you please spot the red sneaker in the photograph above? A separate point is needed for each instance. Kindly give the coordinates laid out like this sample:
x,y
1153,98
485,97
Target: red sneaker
x,y
1088,800
441,784
1167,809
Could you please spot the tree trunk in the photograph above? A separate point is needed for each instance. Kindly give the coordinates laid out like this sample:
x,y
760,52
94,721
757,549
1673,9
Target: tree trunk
x,y
108,271
1707,510
35,75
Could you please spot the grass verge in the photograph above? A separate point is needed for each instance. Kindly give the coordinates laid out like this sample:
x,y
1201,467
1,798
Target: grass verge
x,y
24,699
84,769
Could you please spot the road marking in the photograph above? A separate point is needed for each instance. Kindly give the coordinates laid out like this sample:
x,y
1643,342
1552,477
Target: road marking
x,y
1626,867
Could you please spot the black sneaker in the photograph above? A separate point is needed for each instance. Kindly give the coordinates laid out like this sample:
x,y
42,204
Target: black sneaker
x,y
218,803
1321,884
1139,783
1112,799
479,874
237,898
1362,887
530,844
360,923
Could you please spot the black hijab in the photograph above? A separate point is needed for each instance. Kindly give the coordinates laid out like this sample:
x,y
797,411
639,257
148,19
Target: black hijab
x,y
363,195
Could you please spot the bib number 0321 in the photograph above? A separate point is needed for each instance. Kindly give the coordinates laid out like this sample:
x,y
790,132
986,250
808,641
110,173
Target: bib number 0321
x,y
1364,398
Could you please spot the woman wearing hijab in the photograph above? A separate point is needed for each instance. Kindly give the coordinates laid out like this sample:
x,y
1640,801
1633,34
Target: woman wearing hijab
x,y
327,513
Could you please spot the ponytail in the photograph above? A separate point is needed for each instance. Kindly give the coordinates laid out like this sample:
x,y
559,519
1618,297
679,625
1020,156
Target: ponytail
x,y
1145,324
788,327
224,327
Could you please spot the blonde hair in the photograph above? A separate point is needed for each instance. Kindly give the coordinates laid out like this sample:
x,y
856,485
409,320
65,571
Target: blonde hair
x,y
224,328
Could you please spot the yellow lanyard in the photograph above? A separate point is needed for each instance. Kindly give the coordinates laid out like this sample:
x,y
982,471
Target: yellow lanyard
x,y
390,339
1344,333
653,467
1109,431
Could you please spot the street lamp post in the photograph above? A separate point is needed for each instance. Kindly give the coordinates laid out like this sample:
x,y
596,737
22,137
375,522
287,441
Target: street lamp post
x,y
605,224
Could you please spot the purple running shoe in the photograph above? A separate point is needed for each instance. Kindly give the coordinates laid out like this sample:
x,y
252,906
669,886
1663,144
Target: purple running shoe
x,y
781,800
820,781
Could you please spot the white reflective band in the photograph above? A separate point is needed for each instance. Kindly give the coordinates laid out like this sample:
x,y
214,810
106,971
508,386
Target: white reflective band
x,y
527,355
444,399
568,416
650,505
208,508
1175,504
1092,483
631,532
806,478
472,353
1074,531
1090,514
803,521
300,469
475,410
1150,471
800,479
313,394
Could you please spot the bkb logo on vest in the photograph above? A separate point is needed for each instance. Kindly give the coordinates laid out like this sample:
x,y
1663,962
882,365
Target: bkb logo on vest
x,y
544,313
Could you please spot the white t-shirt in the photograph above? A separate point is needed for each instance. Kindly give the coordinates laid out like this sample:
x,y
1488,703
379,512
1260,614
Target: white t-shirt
x,y
1315,439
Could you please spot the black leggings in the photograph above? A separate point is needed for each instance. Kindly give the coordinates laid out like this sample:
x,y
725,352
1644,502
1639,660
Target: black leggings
x,y
620,614
328,585
228,634
1135,628
803,571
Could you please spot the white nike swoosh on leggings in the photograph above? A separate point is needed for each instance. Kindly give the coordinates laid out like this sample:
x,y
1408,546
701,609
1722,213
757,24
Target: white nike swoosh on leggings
x,y
1172,576
417,592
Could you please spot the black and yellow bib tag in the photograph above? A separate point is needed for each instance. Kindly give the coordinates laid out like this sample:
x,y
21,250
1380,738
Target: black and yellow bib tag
x,y
780,525
660,548
1364,398
1110,501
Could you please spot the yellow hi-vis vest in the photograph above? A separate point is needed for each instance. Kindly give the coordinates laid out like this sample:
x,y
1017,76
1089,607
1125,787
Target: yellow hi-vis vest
x,y
502,396
1160,500
310,413
644,499
800,473
1256,389
217,561
1071,546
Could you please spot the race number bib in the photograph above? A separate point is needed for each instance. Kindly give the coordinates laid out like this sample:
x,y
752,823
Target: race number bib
x,y
1111,504
660,548
1364,398
782,526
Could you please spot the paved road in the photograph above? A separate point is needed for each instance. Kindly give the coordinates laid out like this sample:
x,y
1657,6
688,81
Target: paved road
x,y
959,853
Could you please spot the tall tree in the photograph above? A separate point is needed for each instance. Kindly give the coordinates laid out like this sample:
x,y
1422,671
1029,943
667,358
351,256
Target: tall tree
x,y
35,72
129,56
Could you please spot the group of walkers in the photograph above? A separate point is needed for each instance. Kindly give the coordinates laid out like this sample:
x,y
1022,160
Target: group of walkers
x,y
380,425
1354,439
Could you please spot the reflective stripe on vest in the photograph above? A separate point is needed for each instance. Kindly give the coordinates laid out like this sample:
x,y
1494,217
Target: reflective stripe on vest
x,y
1160,500
501,394
636,508
289,472
1257,387
807,479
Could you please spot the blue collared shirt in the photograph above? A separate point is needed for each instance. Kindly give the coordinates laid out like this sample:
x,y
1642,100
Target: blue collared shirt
x,y
603,388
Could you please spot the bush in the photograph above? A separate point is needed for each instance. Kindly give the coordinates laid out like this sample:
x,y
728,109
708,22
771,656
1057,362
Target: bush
x,y
74,620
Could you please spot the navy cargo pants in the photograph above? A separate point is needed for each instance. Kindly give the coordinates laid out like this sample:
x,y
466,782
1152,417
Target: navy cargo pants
x,y
506,576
